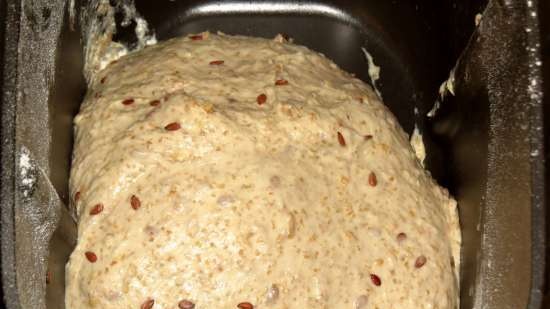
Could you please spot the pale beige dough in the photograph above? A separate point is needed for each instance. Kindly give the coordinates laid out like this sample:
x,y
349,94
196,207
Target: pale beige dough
x,y
274,204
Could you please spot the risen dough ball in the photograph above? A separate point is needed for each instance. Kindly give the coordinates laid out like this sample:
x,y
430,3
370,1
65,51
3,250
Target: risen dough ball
x,y
229,170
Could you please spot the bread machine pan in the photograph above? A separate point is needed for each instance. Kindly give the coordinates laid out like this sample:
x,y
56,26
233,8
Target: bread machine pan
x,y
484,143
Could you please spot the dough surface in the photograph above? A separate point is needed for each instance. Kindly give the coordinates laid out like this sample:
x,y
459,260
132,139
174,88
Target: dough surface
x,y
273,178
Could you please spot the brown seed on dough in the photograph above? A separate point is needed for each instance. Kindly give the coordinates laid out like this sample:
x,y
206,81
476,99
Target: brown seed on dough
x,y
341,140
420,261
261,99
375,280
368,137
245,305
135,202
77,196
401,237
216,62
197,37
98,208
372,179
48,277
103,79
185,304
154,103
90,256
281,82
128,102
172,126
148,304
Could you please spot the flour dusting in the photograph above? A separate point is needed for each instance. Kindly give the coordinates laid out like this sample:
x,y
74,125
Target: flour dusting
x,y
418,145
374,71
100,48
28,179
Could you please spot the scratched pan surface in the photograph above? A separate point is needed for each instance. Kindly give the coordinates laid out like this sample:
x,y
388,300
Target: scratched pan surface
x,y
483,144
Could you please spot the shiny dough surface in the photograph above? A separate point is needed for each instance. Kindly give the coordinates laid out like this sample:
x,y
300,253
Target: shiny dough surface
x,y
216,171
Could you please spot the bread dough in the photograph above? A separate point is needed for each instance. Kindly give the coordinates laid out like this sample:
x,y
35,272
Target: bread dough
x,y
222,170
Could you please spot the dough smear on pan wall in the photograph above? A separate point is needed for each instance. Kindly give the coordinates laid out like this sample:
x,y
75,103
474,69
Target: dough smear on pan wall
x,y
234,172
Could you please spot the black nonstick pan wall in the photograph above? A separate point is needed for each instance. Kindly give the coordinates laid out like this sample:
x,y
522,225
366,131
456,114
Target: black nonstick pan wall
x,y
485,143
